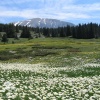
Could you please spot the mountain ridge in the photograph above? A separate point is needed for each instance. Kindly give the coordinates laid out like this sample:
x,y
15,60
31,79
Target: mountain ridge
x,y
43,22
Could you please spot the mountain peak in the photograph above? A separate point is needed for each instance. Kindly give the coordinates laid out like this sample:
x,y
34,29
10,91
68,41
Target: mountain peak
x,y
43,22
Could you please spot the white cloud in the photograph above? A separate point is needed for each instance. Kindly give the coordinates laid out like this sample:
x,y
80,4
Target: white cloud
x,y
83,7
39,13
14,1
57,9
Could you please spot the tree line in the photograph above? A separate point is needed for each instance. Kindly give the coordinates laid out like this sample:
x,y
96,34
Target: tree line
x,y
81,31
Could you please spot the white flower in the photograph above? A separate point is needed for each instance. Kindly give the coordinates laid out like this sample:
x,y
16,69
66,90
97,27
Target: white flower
x,y
30,98
86,95
49,94
1,98
8,94
44,97
55,93
8,86
92,98
97,92
3,90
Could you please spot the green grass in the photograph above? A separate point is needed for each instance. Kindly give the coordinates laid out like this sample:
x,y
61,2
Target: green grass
x,y
83,72
50,69
49,49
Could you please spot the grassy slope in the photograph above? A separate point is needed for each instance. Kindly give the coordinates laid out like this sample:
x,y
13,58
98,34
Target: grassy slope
x,y
55,52
65,74
48,49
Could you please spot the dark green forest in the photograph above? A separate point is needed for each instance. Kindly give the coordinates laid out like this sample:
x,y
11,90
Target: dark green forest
x,y
81,31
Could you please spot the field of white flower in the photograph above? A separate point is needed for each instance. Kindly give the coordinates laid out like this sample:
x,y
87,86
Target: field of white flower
x,y
42,82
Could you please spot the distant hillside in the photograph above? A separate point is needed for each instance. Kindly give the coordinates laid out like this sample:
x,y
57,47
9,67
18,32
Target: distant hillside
x,y
43,22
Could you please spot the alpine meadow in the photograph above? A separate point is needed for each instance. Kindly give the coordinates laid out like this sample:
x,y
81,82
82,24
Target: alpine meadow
x,y
50,50
50,69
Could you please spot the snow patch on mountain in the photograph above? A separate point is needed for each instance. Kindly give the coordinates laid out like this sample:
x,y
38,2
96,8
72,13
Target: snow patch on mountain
x,y
27,23
16,23
43,22
19,23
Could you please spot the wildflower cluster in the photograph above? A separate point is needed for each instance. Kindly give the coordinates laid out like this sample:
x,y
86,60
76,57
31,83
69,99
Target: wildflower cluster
x,y
40,82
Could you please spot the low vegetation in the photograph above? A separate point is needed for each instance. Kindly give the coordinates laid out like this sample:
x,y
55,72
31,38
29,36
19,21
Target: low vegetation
x,y
50,69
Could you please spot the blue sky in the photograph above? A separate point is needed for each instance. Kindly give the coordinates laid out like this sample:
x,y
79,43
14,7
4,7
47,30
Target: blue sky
x,y
75,11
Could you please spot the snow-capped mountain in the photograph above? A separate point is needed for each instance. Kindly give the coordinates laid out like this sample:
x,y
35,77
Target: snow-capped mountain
x,y
43,22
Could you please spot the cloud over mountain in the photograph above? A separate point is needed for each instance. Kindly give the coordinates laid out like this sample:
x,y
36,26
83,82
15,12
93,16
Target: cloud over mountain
x,y
67,10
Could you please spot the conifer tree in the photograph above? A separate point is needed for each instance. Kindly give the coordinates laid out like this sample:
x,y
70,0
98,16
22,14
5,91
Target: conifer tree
x,y
4,38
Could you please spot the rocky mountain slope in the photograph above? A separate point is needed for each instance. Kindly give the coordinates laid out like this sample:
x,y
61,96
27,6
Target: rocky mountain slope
x,y
43,22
